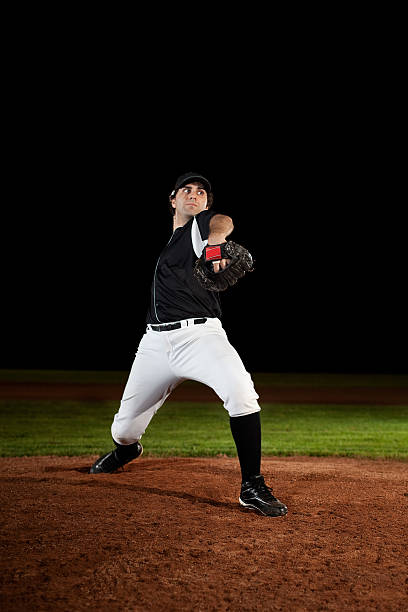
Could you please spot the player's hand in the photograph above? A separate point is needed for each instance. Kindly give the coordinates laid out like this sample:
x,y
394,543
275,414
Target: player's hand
x,y
220,264
230,259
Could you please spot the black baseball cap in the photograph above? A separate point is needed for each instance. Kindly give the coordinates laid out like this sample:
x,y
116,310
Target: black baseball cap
x,y
191,177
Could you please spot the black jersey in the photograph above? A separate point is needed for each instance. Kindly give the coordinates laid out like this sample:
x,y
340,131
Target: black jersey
x,y
175,293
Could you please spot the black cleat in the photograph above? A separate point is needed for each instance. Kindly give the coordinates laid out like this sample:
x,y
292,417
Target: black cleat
x,y
109,463
256,495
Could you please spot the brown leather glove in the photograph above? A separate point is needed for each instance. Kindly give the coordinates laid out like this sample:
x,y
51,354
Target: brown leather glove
x,y
241,262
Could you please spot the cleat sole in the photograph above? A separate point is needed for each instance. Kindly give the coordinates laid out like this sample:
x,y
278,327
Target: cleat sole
x,y
279,511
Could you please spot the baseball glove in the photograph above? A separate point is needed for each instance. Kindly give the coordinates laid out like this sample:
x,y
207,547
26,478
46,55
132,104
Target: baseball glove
x,y
241,263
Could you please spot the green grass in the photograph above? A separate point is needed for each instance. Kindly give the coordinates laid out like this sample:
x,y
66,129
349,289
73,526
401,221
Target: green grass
x,y
82,428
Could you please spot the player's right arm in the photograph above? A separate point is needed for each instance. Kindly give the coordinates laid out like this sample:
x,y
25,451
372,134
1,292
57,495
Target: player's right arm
x,y
221,226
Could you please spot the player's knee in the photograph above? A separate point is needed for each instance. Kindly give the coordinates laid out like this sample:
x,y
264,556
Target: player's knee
x,y
239,410
124,434
241,399
242,402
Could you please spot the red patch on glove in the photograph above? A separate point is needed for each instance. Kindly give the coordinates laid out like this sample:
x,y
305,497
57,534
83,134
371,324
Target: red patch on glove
x,y
213,252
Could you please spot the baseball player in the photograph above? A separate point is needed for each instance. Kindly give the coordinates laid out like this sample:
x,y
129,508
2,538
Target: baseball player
x,y
185,340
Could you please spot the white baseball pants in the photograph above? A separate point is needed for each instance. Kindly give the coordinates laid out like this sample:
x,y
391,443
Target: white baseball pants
x,y
165,359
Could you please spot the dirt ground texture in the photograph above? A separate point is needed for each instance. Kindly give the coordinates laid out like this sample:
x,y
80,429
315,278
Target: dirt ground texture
x,y
169,534
198,392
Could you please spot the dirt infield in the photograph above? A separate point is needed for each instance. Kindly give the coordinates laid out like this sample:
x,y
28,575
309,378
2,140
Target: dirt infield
x,y
168,534
198,392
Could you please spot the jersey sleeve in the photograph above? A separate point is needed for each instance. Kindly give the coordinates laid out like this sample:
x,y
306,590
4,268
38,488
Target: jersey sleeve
x,y
203,221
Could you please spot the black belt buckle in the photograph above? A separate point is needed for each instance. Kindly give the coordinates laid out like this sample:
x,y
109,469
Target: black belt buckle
x,y
170,327
177,325
160,328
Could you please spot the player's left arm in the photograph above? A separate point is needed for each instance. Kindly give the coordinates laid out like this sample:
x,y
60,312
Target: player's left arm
x,y
221,226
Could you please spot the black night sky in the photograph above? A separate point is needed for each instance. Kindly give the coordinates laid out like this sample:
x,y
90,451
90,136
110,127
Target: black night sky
x,y
326,294
311,194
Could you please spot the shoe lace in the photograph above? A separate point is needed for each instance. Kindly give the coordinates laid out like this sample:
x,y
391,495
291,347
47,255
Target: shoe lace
x,y
267,491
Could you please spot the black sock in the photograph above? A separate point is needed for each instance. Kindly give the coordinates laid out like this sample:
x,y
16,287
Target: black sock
x,y
126,451
246,431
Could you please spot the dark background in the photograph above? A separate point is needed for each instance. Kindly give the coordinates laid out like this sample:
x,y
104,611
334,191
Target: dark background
x,y
326,295
299,154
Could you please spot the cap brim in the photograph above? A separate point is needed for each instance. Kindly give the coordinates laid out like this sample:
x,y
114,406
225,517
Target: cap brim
x,y
193,179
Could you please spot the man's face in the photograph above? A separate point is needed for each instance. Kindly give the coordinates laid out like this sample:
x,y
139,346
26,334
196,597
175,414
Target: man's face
x,y
190,200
